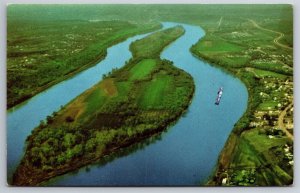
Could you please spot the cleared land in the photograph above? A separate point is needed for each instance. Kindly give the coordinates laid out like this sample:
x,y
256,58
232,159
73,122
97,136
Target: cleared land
x,y
142,69
117,112
153,95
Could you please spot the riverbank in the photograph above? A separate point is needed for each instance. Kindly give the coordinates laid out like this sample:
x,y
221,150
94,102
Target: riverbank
x,y
225,156
112,118
67,54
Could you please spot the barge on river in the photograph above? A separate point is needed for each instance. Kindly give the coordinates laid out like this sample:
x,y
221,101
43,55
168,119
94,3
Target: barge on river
x,y
220,92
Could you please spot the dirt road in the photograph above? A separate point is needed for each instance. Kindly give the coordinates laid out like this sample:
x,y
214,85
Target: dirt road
x,y
281,124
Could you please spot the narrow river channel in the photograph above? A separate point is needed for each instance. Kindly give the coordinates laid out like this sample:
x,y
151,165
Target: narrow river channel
x,y
184,155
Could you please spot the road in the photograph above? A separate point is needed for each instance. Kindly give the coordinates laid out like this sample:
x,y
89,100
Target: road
x,y
251,70
276,40
281,124
220,22
282,114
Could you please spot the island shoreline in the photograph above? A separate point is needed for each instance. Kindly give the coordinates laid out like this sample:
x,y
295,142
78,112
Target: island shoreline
x,y
75,165
20,179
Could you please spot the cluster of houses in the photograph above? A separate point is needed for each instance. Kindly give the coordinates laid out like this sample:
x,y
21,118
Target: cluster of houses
x,y
288,154
280,92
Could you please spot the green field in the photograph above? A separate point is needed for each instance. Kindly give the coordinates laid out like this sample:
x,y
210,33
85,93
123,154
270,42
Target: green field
x,y
268,105
142,69
245,155
235,61
264,73
155,91
261,142
252,154
94,101
213,44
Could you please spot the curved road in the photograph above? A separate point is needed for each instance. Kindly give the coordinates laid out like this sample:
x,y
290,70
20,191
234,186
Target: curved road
x,y
276,40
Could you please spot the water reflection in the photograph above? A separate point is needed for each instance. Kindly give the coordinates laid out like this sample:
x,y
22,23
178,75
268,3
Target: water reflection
x,y
122,152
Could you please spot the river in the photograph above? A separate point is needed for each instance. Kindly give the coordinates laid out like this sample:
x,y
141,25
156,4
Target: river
x,y
184,155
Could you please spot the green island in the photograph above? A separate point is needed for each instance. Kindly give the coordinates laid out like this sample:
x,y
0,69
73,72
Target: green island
x,y
106,118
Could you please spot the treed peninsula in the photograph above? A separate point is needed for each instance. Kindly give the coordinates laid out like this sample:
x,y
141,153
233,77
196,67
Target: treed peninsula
x,y
130,104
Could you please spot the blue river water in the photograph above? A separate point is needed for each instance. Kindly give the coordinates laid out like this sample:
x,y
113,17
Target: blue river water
x,y
184,155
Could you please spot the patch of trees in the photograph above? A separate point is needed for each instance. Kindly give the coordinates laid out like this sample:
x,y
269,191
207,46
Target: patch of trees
x,y
151,46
